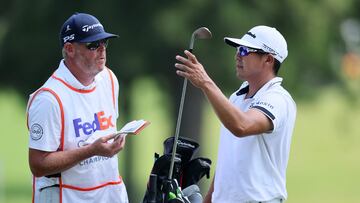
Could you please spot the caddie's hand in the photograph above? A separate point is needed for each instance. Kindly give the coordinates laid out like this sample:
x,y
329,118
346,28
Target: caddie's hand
x,y
102,147
192,69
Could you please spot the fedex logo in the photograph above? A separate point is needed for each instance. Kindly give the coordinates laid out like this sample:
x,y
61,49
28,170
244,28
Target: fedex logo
x,y
101,122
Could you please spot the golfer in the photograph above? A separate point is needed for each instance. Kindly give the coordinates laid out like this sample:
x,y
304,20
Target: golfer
x,y
257,120
77,102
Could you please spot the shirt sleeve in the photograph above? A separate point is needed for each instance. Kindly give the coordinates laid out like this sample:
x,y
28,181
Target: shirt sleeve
x,y
274,106
44,122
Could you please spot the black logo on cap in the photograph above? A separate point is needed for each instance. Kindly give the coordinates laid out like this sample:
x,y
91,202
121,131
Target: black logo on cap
x,y
251,34
36,132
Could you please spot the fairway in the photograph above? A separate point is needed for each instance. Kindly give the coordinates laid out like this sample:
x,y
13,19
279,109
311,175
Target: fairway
x,y
15,178
324,162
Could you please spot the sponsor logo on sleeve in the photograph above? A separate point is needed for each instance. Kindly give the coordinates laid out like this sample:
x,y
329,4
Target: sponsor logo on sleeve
x,y
262,103
265,107
36,131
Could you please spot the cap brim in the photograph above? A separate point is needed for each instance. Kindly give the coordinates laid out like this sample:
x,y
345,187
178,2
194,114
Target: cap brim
x,y
99,36
239,42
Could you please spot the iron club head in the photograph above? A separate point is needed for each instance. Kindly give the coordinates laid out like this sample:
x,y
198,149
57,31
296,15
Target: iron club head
x,y
200,33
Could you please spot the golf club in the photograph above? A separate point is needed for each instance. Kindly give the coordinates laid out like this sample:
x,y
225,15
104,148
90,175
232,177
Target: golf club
x,y
200,33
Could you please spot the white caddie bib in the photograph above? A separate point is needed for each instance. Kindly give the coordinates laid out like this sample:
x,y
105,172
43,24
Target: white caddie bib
x,y
85,113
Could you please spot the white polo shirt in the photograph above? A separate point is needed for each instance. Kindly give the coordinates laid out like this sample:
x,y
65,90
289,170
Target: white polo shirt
x,y
47,114
253,168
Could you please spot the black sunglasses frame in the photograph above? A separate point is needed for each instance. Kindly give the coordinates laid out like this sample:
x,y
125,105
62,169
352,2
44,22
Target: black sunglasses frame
x,y
96,44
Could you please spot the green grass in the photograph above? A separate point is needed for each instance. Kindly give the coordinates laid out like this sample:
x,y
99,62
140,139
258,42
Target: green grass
x,y
149,104
324,162
15,176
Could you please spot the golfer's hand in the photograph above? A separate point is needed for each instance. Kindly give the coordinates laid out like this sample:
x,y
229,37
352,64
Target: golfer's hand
x,y
102,147
191,69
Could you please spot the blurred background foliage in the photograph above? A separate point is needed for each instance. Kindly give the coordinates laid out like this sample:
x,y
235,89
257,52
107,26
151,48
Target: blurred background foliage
x,y
322,72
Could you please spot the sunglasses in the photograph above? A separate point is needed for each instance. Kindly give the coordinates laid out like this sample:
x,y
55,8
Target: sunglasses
x,y
244,51
95,45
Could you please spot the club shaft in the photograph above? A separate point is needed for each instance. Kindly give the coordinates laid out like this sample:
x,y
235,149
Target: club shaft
x,y
178,123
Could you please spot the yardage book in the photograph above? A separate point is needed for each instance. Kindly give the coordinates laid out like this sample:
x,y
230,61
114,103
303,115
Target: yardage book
x,y
132,127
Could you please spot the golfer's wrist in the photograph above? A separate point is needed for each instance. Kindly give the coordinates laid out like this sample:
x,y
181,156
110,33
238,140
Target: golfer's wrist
x,y
208,85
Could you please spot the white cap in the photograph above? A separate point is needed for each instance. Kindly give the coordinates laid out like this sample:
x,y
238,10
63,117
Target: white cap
x,y
265,38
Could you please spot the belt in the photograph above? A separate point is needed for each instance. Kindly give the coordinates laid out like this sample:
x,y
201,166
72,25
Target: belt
x,y
56,185
277,200
56,175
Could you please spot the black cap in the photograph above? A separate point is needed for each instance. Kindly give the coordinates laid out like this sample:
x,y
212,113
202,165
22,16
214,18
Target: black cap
x,y
82,27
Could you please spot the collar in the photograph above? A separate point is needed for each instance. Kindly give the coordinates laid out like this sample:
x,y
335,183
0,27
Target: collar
x,y
244,88
64,73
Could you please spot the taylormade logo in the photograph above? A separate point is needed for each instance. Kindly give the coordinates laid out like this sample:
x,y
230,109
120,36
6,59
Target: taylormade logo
x,y
86,28
185,144
251,34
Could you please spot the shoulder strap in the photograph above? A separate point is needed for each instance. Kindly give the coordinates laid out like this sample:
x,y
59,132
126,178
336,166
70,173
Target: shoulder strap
x,y
112,86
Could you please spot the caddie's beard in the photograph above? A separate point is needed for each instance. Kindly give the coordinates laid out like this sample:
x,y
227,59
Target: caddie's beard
x,y
91,70
97,66
100,63
98,69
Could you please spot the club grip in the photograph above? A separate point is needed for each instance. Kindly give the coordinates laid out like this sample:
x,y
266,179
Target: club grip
x,y
152,188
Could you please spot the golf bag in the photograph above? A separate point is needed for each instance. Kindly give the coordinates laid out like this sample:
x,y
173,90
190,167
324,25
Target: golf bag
x,y
186,174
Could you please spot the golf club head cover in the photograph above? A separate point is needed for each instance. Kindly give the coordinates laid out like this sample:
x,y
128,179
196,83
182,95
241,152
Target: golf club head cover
x,y
193,171
193,194
152,188
175,195
186,148
176,200
162,166
161,169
